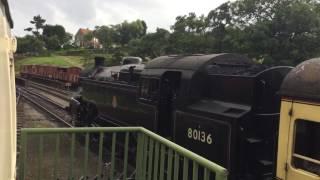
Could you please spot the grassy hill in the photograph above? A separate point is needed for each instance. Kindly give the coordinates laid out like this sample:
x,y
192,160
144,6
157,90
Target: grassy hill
x,y
63,61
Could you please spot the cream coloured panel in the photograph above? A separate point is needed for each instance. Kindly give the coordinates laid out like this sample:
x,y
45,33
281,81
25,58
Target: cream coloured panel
x,y
7,103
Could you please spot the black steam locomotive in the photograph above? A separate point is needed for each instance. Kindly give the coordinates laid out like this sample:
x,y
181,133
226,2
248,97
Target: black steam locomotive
x,y
222,106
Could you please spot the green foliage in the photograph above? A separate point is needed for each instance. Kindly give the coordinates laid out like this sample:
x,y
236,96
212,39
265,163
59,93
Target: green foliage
x,y
189,35
53,42
106,35
150,45
117,56
38,23
30,44
120,34
278,32
33,44
89,36
275,32
54,30
287,33
55,37
73,52
67,41
128,31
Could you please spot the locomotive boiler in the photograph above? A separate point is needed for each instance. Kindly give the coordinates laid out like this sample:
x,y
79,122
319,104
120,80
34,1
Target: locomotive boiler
x,y
224,107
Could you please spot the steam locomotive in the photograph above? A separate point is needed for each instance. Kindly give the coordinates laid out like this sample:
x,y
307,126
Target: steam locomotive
x,y
224,107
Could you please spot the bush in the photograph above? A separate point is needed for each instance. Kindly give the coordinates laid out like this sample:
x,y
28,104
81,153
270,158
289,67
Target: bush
x,y
68,47
52,43
78,52
45,53
117,56
30,45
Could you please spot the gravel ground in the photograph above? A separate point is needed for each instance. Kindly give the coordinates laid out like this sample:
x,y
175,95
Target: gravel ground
x,y
34,118
56,99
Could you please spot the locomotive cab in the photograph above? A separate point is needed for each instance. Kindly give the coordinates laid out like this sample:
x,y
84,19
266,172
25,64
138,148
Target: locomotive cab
x,y
161,93
299,147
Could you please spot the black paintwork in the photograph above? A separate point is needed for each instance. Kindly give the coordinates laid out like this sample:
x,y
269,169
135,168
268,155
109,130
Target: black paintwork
x,y
225,95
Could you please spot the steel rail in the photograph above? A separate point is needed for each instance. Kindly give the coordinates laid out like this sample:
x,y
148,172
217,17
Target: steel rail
x,y
66,93
48,100
56,93
45,105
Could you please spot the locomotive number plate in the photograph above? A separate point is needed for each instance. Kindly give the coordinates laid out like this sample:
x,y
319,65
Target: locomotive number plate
x,y
199,135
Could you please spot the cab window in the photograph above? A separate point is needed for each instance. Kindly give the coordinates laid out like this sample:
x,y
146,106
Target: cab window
x,y
149,89
306,152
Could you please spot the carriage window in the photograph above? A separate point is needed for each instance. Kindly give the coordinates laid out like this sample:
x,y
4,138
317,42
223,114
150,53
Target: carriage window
x,y
306,154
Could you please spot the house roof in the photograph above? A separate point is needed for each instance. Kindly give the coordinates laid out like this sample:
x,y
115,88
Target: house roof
x,y
7,12
83,31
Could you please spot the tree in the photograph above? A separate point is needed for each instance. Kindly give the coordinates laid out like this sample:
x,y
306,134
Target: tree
x,y
53,43
297,30
190,24
189,35
54,30
67,40
127,31
55,36
38,23
106,35
120,34
278,32
89,36
151,45
30,44
218,21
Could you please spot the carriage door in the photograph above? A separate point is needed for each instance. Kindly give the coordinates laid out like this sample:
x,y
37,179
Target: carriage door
x,y
303,158
169,87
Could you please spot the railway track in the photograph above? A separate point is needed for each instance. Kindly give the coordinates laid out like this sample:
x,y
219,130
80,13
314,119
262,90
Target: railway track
x,y
63,102
60,91
63,94
52,108
20,120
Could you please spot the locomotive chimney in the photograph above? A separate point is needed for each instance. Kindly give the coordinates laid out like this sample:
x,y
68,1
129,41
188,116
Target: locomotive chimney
x,y
98,61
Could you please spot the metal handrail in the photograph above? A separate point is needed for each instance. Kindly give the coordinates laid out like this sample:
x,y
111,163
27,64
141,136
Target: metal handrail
x,y
152,152
221,171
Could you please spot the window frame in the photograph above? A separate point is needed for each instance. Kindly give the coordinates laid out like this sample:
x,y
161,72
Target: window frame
x,y
295,155
144,92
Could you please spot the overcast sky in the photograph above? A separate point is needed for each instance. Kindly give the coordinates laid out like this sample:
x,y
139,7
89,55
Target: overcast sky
x,y
73,14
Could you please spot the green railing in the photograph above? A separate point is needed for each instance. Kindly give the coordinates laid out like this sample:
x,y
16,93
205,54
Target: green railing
x,y
109,153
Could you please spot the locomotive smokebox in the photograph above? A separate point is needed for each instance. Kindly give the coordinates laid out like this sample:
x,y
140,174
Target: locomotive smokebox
x,y
99,61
